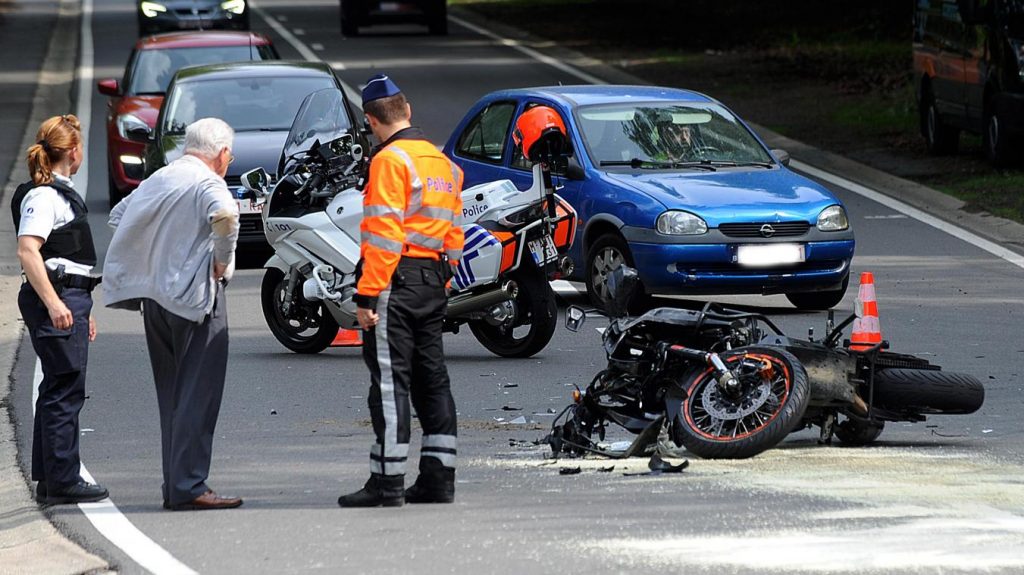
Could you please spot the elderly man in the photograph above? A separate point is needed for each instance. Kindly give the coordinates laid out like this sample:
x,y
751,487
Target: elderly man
x,y
172,254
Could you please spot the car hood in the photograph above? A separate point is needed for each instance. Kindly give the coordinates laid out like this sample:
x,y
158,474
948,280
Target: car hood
x,y
727,196
145,108
251,150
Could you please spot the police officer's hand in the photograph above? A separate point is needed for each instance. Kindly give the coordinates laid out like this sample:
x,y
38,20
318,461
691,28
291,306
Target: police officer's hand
x,y
61,316
92,328
367,318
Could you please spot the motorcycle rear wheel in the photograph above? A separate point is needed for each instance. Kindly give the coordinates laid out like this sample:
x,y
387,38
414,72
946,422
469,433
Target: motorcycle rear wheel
x,y
928,391
537,313
747,425
311,331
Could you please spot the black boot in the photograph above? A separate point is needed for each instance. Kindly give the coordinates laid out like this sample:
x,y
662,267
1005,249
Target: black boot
x,y
433,486
379,491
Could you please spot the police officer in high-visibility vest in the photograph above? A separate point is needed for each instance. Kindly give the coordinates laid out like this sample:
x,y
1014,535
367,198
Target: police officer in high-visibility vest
x,y
56,251
409,243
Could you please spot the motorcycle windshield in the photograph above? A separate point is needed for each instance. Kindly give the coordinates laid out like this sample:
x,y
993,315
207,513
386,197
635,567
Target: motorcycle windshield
x,y
321,118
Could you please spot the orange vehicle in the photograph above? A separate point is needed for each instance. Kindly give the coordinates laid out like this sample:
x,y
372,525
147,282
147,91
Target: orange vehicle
x,y
969,74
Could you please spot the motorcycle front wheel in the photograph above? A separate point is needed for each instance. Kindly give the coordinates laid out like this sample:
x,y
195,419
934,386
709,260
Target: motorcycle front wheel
x,y
308,328
714,425
535,320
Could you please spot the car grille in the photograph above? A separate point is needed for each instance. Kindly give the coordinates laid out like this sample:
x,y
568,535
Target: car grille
x,y
233,181
754,230
250,225
189,11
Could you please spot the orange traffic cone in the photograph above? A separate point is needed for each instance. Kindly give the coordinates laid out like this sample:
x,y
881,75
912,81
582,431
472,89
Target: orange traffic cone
x,y
867,331
348,338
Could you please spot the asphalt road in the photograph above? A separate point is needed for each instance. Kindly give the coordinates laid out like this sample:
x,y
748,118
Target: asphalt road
x,y
943,496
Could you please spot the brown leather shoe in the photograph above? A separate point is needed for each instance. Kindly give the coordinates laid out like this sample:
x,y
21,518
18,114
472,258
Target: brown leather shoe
x,y
208,500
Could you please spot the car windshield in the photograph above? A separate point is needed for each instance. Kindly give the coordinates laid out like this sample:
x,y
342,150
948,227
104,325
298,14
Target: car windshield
x,y
321,118
154,69
246,104
668,136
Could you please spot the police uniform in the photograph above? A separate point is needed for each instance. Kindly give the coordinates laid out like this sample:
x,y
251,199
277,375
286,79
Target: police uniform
x,y
57,214
409,243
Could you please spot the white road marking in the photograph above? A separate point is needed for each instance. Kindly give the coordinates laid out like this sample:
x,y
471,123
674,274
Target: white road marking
x,y
303,50
889,202
299,32
104,515
317,46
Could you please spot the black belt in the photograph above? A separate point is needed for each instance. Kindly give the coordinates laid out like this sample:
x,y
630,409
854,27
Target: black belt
x,y
82,282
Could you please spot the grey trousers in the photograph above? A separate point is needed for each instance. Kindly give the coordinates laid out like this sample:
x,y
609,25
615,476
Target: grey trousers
x,y
189,363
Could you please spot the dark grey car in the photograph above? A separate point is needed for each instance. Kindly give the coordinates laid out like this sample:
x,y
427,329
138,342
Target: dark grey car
x,y
258,100
168,15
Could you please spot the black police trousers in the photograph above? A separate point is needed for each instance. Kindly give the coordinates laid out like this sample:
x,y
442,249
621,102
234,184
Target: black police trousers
x,y
63,355
405,355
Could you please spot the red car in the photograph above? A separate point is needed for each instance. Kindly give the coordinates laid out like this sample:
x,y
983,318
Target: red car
x,y
135,101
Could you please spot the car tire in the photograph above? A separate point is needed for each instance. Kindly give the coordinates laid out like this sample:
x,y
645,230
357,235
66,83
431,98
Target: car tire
x,y
113,194
609,252
349,21
819,300
939,137
1000,148
437,20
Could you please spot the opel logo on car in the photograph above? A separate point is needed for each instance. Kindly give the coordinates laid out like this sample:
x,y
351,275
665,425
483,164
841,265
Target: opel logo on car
x,y
767,230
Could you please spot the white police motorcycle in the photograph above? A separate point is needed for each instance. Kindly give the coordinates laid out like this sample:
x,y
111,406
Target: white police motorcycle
x,y
516,242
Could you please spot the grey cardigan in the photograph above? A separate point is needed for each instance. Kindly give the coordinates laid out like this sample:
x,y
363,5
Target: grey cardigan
x,y
167,234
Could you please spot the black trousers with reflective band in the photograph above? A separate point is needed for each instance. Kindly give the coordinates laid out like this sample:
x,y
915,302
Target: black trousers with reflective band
x,y
405,355
63,356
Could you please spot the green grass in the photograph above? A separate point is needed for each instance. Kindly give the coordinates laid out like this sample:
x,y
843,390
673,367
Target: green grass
x,y
1000,193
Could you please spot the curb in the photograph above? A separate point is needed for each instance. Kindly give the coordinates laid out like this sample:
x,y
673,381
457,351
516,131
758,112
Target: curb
x,y
29,543
943,206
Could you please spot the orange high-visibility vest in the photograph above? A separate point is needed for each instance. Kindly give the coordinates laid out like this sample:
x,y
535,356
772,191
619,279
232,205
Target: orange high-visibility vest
x,y
410,204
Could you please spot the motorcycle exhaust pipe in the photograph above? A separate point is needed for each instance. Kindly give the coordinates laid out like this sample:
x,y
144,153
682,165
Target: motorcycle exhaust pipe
x,y
462,305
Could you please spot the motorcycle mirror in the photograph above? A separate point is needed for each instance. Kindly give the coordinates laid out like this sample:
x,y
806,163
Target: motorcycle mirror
x,y
574,318
256,181
622,284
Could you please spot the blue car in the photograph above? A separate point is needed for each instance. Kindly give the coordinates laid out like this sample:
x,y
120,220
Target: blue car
x,y
674,184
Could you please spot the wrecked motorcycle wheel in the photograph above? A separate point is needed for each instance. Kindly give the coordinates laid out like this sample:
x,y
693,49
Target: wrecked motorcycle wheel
x,y
855,432
535,320
772,401
928,391
309,328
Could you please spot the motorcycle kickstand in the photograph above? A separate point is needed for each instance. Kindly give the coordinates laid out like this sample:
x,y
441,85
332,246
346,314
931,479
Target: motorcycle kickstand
x,y
828,428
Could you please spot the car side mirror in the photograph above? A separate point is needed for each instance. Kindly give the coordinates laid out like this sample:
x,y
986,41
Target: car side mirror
x,y
574,171
782,156
108,87
575,316
256,181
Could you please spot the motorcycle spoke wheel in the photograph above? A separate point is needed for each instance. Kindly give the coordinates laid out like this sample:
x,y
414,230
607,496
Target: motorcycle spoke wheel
x,y
773,396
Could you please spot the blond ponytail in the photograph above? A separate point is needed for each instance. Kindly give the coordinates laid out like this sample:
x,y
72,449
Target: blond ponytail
x,y
55,139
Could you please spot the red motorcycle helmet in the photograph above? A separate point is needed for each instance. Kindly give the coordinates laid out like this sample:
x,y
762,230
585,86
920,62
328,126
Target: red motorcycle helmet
x,y
540,133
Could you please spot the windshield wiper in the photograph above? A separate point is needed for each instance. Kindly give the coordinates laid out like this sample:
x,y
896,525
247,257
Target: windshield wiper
x,y
732,164
636,163
701,165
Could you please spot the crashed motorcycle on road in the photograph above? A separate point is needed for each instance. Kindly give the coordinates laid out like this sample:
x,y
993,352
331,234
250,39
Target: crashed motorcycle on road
x,y
516,241
728,384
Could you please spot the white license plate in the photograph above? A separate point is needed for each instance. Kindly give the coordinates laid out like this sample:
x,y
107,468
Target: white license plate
x,y
543,250
248,207
763,255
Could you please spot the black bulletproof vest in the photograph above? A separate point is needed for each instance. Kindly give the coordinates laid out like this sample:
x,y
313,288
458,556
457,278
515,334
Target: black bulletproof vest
x,y
73,240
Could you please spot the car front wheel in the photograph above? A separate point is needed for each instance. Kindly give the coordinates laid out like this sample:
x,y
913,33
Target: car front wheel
x,y
608,253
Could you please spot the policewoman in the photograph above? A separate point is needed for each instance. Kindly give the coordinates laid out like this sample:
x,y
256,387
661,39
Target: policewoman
x,y
409,243
57,255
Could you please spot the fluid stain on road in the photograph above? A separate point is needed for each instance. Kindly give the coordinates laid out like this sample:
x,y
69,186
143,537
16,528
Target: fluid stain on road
x,y
903,510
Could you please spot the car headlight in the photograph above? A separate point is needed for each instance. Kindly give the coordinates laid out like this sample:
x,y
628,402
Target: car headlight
x,y
131,127
677,223
151,9
833,219
233,6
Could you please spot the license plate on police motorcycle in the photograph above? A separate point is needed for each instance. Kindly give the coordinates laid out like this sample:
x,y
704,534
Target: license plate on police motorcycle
x,y
543,250
760,255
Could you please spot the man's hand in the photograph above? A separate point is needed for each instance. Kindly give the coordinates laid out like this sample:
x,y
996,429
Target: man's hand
x,y
367,318
61,316
219,270
92,328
